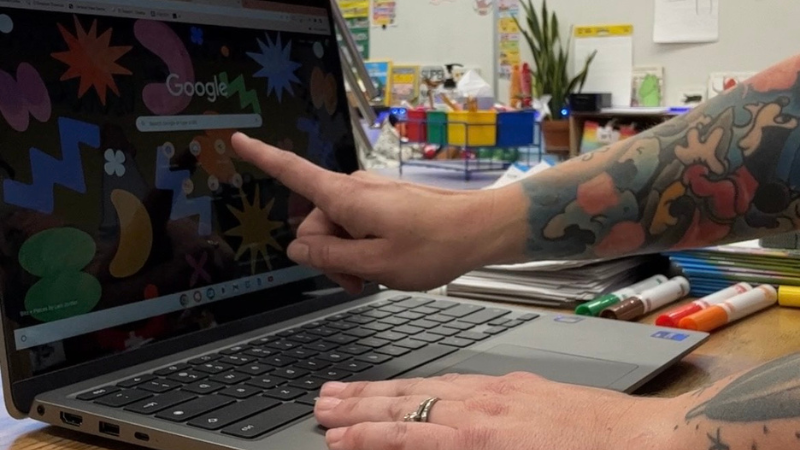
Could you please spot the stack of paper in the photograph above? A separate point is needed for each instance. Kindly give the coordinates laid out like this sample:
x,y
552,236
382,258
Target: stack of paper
x,y
549,283
712,269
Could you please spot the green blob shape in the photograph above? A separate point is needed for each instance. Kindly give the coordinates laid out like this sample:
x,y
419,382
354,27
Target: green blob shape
x,y
650,91
66,295
56,251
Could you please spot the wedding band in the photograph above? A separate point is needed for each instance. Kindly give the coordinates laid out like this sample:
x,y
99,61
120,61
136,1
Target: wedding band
x,y
422,413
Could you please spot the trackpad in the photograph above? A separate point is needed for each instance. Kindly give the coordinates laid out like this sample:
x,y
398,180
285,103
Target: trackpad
x,y
504,359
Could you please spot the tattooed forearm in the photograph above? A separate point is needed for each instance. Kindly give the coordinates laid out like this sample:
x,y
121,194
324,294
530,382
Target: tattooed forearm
x,y
727,171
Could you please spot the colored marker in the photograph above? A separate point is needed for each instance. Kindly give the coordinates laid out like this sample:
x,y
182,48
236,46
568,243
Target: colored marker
x,y
736,308
673,318
789,296
649,300
594,307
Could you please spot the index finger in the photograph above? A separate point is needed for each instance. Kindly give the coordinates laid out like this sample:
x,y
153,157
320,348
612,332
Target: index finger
x,y
298,174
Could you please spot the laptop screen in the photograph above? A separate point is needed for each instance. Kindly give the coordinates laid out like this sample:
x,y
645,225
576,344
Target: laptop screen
x,y
125,216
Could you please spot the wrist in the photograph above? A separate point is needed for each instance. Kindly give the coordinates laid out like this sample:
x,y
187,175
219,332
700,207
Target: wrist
x,y
651,423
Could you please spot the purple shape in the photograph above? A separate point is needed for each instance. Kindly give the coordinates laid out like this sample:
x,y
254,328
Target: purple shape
x,y
26,96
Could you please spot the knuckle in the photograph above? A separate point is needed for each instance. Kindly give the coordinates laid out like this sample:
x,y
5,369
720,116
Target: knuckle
x,y
355,389
476,437
349,406
320,256
523,376
450,377
396,436
411,386
502,386
488,406
400,407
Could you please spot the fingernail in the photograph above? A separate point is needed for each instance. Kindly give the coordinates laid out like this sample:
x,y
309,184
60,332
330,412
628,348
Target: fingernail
x,y
332,389
335,435
327,403
298,252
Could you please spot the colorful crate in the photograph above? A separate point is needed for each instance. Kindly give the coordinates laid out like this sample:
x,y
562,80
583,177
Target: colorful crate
x,y
472,129
416,127
516,129
437,128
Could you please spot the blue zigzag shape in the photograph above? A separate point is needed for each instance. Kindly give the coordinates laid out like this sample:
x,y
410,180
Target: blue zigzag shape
x,y
182,206
47,172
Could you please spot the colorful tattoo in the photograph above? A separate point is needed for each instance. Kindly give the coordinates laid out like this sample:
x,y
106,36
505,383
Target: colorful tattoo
x,y
727,171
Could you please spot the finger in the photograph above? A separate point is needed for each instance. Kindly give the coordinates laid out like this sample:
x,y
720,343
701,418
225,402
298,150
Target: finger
x,y
352,284
394,436
363,258
319,224
448,387
332,412
292,170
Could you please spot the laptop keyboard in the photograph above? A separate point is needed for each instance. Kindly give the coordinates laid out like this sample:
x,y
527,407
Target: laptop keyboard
x,y
248,390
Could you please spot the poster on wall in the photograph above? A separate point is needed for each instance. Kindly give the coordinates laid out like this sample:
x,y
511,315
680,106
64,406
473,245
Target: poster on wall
x,y
720,82
352,9
508,36
483,7
356,14
648,86
405,84
380,74
384,13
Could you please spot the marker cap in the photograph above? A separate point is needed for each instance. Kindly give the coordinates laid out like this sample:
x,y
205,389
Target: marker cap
x,y
789,296
674,317
707,320
630,309
594,307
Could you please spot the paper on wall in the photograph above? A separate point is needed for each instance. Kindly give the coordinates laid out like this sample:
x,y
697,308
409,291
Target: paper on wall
x,y
686,21
612,68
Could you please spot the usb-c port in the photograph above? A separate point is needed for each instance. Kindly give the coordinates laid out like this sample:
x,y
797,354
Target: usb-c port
x,y
141,436
71,419
109,429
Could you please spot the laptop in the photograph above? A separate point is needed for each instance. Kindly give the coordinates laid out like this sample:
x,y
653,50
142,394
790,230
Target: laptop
x,y
146,293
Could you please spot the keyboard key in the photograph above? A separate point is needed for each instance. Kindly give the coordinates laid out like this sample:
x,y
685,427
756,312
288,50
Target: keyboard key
x,y
287,333
495,330
235,350
233,413
303,338
442,304
373,343
240,392
456,342
312,364
390,336
334,357
278,361
498,322
410,315
160,403
204,359
396,321
408,329
462,310
283,345
380,304
392,351
203,387
341,339
472,336
187,376
378,326
266,382
425,310
236,360
308,399
415,302
131,382
439,318
254,369
460,326
342,326
359,332
528,317
213,368
171,369
300,353
444,331
123,398
376,314
264,340
392,309
159,386
269,420
353,366
308,383
360,310
258,352
513,323
322,331
194,408
230,378
399,298
291,373
315,324
427,324
427,337
354,349
285,393
409,343
333,374
361,320
321,346
97,393
484,316
338,317
373,358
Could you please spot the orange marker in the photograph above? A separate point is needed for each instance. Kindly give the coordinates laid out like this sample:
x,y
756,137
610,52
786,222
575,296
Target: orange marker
x,y
730,311
673,318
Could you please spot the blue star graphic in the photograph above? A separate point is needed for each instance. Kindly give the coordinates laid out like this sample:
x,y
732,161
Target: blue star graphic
x,y
276,66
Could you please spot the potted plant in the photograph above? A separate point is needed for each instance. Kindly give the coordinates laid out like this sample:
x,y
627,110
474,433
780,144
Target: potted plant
x,y
550,75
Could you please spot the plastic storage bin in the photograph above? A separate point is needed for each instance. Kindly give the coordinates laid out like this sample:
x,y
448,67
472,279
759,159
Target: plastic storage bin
x,y
437,127
472,129
416,128
516,129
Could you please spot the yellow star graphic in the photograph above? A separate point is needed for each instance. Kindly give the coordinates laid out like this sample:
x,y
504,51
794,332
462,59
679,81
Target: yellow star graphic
x,y
255,228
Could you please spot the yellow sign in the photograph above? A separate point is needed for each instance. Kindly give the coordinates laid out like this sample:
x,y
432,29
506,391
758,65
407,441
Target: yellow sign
x,y
604,30
352,9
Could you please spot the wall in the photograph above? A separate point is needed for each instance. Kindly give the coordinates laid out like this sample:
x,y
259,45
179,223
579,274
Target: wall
x,y
754,34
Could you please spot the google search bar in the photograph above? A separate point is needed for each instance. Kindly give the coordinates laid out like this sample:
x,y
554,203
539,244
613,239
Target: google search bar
x,y
160,124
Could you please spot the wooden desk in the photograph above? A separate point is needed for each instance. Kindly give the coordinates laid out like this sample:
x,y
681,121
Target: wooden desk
x,y
757,340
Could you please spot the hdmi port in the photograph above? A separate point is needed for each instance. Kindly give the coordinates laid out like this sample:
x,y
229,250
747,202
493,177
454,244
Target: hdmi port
x,y
71,419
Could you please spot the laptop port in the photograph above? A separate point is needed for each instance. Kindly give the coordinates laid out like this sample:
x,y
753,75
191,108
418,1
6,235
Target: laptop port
x,y
71,419
110,429
141,436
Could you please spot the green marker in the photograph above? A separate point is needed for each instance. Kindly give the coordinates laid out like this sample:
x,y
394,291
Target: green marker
x,y
595,307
